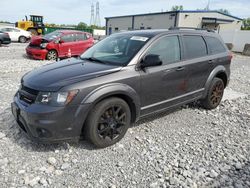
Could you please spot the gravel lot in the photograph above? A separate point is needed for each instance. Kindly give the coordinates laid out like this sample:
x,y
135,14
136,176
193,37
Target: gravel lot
x,y
189,147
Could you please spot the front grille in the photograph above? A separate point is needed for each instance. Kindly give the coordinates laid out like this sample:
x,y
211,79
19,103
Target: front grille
x,y
27,95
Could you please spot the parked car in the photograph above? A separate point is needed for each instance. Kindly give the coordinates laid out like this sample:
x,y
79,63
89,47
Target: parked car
x,y
121,79
59,44
4,38
16,34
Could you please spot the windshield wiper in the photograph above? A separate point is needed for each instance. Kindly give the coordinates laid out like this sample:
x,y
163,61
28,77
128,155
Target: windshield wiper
x,y
93,59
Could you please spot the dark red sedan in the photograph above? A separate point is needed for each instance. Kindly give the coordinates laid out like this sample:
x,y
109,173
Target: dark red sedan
x,y
59,44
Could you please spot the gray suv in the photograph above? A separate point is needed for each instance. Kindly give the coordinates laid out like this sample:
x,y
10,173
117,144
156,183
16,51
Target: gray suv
x,y
121,79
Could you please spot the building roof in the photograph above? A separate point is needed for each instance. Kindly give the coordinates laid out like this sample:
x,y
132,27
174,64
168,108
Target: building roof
x,y
176,12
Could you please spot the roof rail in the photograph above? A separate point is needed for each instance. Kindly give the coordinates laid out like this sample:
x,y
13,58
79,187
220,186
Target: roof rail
x,y
189,28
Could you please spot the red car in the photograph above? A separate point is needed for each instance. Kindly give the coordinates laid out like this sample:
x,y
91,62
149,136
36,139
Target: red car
x,y
59,44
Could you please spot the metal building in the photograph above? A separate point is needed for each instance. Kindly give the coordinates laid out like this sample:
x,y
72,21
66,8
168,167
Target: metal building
x,y
164,20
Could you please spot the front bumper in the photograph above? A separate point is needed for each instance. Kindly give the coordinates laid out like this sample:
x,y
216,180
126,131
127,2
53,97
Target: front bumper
x,y
36,53
48,124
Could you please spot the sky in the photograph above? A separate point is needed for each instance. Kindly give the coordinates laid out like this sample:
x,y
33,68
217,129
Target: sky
x,y
75,11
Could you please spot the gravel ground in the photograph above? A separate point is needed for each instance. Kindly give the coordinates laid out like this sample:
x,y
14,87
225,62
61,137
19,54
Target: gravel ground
x,y
189,147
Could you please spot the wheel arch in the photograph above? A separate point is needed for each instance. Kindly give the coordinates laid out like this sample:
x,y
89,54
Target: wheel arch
x,y
218,72
122,91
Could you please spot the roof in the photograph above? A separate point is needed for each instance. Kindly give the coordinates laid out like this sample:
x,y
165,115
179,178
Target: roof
x,y
153,32
176,12
70,31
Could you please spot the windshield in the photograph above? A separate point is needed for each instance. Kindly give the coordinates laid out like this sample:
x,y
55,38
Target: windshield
x,y
53,35
117,49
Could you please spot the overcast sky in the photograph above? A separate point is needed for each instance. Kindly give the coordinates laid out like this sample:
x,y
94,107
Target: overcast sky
x,y
75,11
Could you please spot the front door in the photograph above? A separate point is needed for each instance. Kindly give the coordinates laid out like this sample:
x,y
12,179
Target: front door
x,y
67,46
161,86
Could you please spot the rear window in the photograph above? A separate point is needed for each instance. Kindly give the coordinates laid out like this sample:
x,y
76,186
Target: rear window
x,y
214,45
195,46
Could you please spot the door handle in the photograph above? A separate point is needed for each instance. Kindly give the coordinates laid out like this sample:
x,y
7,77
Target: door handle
x,y
180,68
211,61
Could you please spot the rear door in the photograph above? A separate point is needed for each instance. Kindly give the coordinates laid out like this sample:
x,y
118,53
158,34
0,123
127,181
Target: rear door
x,y
84,41
196,60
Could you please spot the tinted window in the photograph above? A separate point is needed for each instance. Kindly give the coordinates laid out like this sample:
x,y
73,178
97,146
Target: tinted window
x,y
194,46
80,37
68,38
168,48
214,45
5,30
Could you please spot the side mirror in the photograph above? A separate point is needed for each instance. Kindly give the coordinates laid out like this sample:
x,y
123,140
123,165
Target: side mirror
x,y
59,41
151,60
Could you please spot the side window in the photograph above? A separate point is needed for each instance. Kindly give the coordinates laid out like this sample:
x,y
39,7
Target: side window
x,y
5,30
68,38
15,30
194,46
168,49
214,45
80,37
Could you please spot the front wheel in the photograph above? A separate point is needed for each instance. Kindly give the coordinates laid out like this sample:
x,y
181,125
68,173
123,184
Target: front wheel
x,y
52,55
108,122
214,94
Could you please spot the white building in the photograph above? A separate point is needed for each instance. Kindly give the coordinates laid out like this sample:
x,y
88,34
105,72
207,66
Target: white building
x,y
164,20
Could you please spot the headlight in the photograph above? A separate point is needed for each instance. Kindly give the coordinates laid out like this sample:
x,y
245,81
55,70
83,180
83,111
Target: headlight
x,y
43,45
56,98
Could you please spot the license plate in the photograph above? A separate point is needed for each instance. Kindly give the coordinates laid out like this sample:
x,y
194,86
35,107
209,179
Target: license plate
x,y
15,110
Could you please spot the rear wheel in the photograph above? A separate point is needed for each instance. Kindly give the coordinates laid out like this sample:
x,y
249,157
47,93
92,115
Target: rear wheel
x,y
0,43
214,95
108,122
52,55
22,39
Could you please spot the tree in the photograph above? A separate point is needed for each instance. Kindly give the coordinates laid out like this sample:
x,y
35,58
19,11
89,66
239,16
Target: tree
x,y
246,24
81,25
224,11
176,8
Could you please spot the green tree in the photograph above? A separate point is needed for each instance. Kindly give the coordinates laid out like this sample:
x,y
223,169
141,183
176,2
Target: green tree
x,y
176,8
81,25
246,24
224,11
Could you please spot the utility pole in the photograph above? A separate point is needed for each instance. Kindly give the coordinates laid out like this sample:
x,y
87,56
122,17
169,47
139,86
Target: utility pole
x,y
92,14
208,5
97,16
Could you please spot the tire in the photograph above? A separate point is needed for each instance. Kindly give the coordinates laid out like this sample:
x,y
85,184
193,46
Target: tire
x,y
0,43
33,32
52,55
214,94
22,39
107,122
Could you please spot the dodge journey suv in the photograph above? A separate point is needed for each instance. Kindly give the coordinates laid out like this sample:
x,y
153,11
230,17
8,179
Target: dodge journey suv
x,y
119,80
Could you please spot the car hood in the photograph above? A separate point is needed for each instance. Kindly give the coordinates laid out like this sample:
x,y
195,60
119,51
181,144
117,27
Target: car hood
x,y
54,76
37,40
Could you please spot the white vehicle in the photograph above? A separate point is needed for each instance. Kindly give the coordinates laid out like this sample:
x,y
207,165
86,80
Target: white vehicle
x,y
16,34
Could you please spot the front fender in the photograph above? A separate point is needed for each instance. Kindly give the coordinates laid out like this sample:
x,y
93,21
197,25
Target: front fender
x,y
111,90
213,74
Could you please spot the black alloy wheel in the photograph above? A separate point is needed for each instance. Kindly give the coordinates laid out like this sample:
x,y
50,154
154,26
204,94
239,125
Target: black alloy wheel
x,y
108,122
